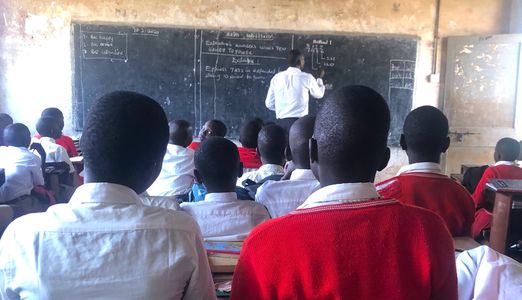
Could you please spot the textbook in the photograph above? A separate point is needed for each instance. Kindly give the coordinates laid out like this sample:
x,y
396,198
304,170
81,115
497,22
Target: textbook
x,y
222,256
223,247
505,185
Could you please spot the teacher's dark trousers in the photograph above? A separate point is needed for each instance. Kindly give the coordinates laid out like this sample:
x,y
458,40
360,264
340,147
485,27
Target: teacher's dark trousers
x,y
286,123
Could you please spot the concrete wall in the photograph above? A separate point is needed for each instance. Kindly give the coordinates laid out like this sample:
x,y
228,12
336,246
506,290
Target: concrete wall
x,y
35,45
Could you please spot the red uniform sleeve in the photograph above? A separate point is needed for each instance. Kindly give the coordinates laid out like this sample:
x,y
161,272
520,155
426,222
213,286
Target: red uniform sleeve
x,y
478,194
390,188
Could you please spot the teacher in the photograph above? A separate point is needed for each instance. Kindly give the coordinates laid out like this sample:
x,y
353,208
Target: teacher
x,y
289,89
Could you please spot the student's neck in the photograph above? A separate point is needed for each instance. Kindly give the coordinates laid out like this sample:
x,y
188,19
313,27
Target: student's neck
x,y
414,158
302,166
333,177
220,189
272,162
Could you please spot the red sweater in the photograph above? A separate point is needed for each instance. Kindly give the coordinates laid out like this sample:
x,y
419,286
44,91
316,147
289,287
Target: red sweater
x,y
194,145
65,142
378,249
249,158
498,172
434,192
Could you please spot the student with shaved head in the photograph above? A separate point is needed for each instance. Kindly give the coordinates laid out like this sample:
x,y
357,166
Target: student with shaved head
x,y
5,120
210,128
282,197
104,243
506,153
346,242
422,183
22,170
62,140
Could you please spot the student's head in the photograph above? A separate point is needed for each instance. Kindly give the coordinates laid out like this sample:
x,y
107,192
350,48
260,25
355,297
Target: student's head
x,y
271,144
180,133
350,136
299,136
17,135
249,133
296,59
507,149
217,165
425,135
212,128
54,112
124,140
48,127
5,120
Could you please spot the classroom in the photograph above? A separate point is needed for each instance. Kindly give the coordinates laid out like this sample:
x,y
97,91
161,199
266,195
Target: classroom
x,y
262,149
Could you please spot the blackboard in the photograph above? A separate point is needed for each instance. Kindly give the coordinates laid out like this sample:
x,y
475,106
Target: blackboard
x,y
202,74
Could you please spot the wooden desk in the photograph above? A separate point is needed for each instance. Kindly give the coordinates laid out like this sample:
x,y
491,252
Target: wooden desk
x,y
506,226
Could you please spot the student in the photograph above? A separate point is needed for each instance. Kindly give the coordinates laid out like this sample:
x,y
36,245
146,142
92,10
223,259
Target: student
x,y
62,140
221,216
5,120
345,241
422,183
506,152
49,130
210,128
22,169
177,173
105,243
248,139
271,144
282,197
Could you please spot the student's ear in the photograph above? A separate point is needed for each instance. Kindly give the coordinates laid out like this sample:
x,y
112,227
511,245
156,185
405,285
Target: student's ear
x,y
446,145
197,177
314,157
240,170
403,142
496,156
385,159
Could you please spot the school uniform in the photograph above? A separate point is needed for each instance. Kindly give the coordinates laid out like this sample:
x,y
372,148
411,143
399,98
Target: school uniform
x,y
282,197
23,171
484,273
194,145
345,242
222,217
104,244
177,173
66,142
424,185
263,172
55,152
501,170
249,158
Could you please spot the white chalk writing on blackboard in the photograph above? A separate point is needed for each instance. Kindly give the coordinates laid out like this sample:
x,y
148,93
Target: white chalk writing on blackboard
x,y
402,74
104,45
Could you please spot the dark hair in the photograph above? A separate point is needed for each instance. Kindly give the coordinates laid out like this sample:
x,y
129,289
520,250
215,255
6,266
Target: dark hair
x,y
180,132
48,127
426,130
52,112
299,137
294,58
271,144
215,127
249,132
217,161
352,128
5,120
124,135
17,135
508,149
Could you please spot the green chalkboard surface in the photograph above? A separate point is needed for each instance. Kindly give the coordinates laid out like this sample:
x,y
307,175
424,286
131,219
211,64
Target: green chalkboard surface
x,y
200,74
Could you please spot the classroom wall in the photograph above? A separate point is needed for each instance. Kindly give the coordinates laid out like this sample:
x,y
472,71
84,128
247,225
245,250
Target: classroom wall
x,y
35,45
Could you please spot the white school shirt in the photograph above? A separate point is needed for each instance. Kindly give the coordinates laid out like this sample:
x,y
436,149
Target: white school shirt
x,y
288,93
23,171
177,173
422,167
341,193
104,244
160,201
483,273
222,217
282,197
263,172
55,152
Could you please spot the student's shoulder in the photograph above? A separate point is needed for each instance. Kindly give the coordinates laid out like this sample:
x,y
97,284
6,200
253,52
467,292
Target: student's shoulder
x,y
173,220
419,216
390,187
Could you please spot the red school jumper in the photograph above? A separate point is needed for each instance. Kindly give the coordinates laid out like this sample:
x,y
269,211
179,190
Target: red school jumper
x,y
65,142
377,249
249,158
435,192
194,145
483,217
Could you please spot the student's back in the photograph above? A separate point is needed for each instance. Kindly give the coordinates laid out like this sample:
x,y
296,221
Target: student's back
x,y
501,170
63,140
48,128
422,183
